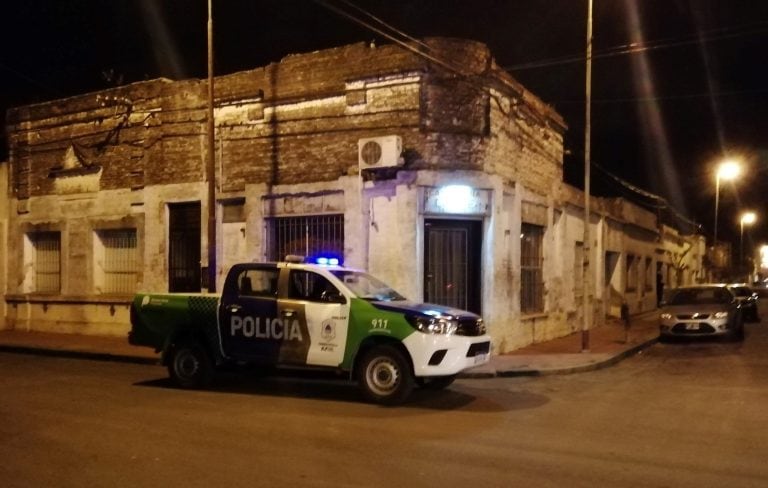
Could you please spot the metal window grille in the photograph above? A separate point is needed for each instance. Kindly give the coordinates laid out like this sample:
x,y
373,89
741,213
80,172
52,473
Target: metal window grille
x,y
120,260
648,274
631,273
47,261
305,236
449,269
531,264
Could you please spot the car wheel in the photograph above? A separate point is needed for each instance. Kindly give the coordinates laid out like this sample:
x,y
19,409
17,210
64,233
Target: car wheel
x,y
384,375
190,366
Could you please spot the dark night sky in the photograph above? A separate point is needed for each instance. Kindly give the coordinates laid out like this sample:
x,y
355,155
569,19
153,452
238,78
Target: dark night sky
x,y
661,117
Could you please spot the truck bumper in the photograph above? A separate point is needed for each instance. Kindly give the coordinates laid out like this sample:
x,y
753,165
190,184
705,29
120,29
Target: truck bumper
x,y
442,355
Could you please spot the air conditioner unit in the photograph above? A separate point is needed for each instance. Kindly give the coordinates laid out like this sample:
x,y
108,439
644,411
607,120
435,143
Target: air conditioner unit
x,y
379,152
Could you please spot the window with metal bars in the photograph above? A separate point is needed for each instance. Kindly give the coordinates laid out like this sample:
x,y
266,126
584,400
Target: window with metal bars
x,y
632,267
118,256
531,264
305,236
46,261
648,285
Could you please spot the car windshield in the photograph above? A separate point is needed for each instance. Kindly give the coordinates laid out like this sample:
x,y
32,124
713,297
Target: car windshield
x,y
708,295
366,286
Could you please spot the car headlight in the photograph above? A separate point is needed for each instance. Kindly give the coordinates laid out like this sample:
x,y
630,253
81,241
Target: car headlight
x,y
666,316
721,315
433,325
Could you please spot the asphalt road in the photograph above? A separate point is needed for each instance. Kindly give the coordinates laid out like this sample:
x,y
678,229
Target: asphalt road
x,y
677,415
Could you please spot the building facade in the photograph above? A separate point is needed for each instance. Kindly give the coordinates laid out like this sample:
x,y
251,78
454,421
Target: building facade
x,y
446,183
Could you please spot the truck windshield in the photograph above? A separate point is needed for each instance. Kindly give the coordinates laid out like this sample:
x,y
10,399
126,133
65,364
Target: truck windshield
x,y
366,286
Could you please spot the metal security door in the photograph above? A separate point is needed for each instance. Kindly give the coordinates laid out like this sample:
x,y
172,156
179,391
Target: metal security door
x,y
184,247
452,263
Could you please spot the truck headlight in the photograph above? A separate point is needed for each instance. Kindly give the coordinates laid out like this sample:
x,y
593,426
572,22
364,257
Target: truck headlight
x,y
433,325
721,315
666,316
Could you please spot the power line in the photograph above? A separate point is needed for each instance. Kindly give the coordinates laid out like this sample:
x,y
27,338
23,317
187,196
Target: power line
x,y
661,203
717,94
634,48
445,64
28,78
385,24
469,79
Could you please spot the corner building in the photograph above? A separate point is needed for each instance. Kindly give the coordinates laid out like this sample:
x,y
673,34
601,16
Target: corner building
x,y
448,186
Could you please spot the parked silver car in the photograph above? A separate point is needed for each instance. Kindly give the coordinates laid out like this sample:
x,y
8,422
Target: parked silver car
x,y
701,311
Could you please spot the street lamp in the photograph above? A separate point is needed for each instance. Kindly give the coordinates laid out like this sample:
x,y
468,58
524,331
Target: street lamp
x,y
728,170
586,303
749,219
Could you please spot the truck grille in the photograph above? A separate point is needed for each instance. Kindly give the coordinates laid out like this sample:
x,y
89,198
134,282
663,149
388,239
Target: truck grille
x,y
478,349
696,316
703,328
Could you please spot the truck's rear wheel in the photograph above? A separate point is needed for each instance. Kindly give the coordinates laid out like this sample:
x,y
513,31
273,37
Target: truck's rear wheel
x,y
190,366
385,375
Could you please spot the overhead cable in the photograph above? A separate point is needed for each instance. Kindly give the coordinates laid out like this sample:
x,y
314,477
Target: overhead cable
x,y
661,202
634,48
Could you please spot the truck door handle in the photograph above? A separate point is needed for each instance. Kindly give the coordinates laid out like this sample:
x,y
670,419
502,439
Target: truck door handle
x,y
289,313
235,308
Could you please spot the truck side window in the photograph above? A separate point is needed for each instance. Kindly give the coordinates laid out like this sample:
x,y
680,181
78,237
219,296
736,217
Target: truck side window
x,y
306,285
258,283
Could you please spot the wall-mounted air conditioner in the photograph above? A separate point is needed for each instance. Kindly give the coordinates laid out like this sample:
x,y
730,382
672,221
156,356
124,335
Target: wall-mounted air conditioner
x,y
379,152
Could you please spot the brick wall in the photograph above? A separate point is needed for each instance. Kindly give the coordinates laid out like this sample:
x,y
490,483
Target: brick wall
x,y
297,121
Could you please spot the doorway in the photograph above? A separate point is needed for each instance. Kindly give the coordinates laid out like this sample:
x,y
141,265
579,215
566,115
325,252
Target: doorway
x,y
452,253
184,247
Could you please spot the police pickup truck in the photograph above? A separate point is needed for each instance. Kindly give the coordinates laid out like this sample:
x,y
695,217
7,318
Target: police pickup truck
x,y
295,314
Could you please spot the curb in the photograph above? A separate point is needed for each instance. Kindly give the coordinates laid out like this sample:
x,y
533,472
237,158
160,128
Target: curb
x,y
66,353
562,371
104,356
584,368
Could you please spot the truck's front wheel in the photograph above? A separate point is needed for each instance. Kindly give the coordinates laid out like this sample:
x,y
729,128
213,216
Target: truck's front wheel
x,y
190,366
385,375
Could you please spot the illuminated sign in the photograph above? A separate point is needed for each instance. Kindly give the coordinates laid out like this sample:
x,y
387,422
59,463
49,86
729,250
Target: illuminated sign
x,y
456,199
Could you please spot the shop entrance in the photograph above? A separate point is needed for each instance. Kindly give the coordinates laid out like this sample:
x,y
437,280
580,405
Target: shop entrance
x,y
184,247
452,251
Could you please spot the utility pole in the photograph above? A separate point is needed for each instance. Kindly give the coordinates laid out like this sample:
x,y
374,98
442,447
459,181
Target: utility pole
x,y
587,303
210,167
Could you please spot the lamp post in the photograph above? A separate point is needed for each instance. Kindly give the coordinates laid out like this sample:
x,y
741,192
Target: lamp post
x,y
210,163
728,170
749,219
586,303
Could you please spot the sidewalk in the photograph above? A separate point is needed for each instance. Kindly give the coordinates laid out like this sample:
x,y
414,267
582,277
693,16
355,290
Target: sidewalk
x,y
607,346
558,356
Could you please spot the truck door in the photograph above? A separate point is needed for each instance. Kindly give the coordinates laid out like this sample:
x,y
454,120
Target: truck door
x,y
249,325
316,308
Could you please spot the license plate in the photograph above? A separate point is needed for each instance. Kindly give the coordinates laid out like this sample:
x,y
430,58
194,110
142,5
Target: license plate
x,y
481,358
691,326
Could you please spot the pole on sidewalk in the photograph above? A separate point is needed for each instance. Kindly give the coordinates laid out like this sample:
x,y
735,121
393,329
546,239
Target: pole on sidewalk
x,y
587,303
210,166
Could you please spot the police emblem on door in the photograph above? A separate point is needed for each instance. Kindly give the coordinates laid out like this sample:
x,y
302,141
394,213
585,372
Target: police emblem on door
x,y
328,332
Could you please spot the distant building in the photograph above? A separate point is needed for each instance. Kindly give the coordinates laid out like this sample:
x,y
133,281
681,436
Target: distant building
x,y
448,184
